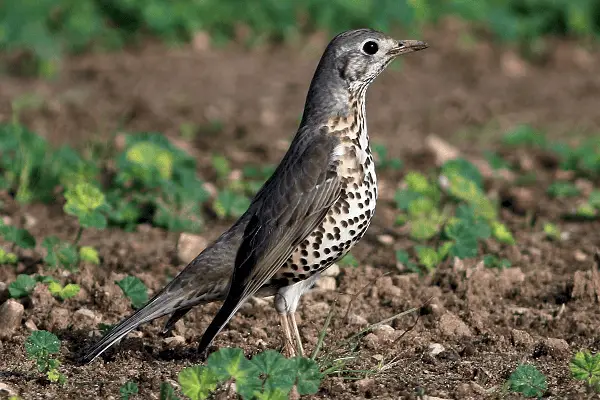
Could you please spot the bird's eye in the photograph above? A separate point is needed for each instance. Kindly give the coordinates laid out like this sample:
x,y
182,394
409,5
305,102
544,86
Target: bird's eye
x,y
370,47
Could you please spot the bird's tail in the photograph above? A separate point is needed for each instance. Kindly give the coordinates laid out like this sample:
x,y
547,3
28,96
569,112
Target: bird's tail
x,y
156,308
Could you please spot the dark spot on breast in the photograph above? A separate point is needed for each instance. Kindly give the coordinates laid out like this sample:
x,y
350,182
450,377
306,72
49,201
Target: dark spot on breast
x,y
329,236
316,254
295,267
289,274
316,245
344,224
302,276
304,253
306,268
303,261
327,250
352,232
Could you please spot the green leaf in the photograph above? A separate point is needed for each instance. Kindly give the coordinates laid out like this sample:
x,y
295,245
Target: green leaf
x,y
594,199
348,261
586,210
428,257
561,189
423,229
89,254
551,231
128,389
7,257
41,343
403,198
524,135
464,169
229,363
309,376
421,207
230,204
64,293
18,236
418,183
60,253
197,382
528,381
135,290
280,372
167,392
21,287
221,166
585,366
150,157
272,394
491,261
502,234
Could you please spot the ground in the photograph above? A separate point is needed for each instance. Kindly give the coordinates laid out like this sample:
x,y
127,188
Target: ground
x,y
486,322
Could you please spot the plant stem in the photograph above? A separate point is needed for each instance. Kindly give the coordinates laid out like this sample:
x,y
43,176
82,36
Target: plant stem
x,y
78,236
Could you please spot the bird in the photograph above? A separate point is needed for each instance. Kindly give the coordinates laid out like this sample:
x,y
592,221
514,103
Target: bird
x,y
315,207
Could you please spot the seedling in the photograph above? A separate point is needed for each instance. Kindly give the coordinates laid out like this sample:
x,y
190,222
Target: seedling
x,y
585,366
491,261
524,136
63,292
60,254
528,381
135,290
561,189
348,261
167,392
229,204
17,236
22,286
128,389
89,254
551,231
268,375
40,345
7,257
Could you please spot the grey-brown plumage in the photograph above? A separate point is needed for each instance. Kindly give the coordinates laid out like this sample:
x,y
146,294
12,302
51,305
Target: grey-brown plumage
x,y
314,208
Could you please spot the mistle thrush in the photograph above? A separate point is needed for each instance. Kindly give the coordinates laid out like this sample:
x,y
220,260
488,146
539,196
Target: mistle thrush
x,y
317,204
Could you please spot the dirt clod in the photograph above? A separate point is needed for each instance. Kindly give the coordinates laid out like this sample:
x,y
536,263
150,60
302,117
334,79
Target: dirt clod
x,y
451,325
189,246
326,283
11,313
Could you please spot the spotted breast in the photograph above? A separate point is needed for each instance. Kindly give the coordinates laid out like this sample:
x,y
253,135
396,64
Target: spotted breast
x,y
348,219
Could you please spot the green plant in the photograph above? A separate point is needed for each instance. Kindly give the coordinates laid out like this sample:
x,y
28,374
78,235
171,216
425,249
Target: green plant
x,y
230,204
551,231
348,261
527,380
561,189
63,292
383,160
167,392
128,389
22,286
524,135
89,254
7,257
491,261
135,290
86,202
60,254
267,375
40,345
585,366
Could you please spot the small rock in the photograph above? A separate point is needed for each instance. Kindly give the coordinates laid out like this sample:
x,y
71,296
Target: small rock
x,y
201,41
189,246
319,308
387,240
378,357
30,221
29,324
451,325
11,313
521,338
435,349
58,319
326,283
354,319
174,341
180,328
579,255
385,333
333,271
557,347
364,385
260,302
371,341
84,318
6,390
211,189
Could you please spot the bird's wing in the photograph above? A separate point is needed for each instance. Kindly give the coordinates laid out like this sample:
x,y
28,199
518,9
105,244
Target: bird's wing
x,y
290,206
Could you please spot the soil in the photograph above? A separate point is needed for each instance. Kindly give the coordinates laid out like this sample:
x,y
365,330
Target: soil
x,y
475,324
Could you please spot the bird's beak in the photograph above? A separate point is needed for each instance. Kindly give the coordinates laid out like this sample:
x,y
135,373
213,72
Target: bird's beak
x,y
408,46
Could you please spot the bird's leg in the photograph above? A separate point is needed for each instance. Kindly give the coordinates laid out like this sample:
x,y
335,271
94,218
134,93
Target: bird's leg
x,y
288,348
292,318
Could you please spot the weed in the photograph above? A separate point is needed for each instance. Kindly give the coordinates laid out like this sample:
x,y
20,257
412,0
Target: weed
x,y
60,254
267,375
551,231
128,389
135,290
63,292
585,366
22,286
40,345
89,254
348,261
527,380
167,392
560,189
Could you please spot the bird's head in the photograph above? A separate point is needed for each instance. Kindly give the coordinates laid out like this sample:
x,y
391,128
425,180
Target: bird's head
x,y
359,56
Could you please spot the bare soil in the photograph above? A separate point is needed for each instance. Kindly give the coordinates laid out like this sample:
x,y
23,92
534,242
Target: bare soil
x,y
541,310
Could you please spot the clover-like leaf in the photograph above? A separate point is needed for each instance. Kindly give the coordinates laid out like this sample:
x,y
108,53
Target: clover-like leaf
x,y
167,392
585,366
66,292
87,203
272,394
463,168
309,376
41,343
7,257
149,157
230,204
229,363
89,254
423,228
528,381
428,257
280,372
135,290
502,234
22,286
20,237
348,261
59,253
128,389
197,382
